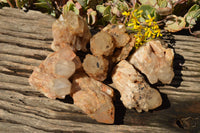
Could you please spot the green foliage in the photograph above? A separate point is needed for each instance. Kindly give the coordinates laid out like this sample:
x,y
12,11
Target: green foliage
x,y
105,11
162,3
163,7
192,15
175,23
3,3
118,7
86,4
175,15
43,5
143,30
148,10
70,6
112,10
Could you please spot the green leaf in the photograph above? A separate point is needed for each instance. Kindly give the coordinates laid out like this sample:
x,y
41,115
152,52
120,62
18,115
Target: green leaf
x,y
83,3
43,5
162,3
163,7
70,6
105,11
119,6
122,5
100,8
175,23
148,10
90,3
148,2
113,20
4,1
192,15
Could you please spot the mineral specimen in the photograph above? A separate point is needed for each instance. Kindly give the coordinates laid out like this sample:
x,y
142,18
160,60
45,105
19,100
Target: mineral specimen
x,y
123,53
94,98
70,29
102,44
154,61
51,77
123,42
135,92
118,33
108,47
96,67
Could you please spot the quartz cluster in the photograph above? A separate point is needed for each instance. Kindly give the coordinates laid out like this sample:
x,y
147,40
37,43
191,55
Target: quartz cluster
x,y
52,76
135,92
108,46
111,51
70,29
154,61
94,98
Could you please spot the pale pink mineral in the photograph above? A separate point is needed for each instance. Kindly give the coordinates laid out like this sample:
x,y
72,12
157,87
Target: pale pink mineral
x,y
94,98
117,31
51,77
135,92
70,29
102,44
154,61
96,66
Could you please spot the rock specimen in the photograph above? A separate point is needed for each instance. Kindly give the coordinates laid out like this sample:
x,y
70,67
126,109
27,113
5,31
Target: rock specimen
x,y
51,77
96,67
124,43
154,61
94,98
118,33
135,92
123,53
70,29
108,47
102,44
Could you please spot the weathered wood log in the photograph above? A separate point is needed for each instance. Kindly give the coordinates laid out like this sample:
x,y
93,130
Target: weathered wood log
x,y
25,40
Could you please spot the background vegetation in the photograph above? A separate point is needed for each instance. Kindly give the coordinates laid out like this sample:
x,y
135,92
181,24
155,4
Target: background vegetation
x,y
170,15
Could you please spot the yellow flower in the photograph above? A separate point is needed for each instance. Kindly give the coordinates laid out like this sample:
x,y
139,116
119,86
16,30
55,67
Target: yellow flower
x,y
150,20
149,32
158,33
142,30
126,13
140,11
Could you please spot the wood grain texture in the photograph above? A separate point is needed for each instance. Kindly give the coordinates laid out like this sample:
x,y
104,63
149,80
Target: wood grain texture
x,y
25,40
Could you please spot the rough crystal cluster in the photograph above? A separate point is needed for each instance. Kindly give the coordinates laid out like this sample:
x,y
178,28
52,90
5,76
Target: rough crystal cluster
x,y
123,53
108,46
124,43
70,29
154,61
96,66
94,98
51,77
62,72
102,44
135,92
118,32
